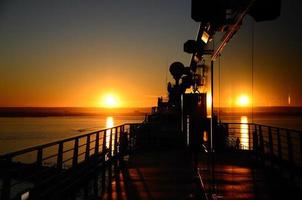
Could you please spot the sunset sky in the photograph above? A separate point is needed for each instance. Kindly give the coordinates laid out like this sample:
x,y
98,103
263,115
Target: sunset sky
x,y
72,53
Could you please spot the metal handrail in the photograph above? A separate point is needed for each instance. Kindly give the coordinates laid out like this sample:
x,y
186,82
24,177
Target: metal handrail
x,y
271,144
102,142
263,125
34,148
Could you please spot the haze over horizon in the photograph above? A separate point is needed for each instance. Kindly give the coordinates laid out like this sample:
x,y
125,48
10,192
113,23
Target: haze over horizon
x,y
73,53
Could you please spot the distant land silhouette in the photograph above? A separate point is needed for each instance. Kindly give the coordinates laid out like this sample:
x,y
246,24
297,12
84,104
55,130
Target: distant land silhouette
x,y
69,111
267,110
91,111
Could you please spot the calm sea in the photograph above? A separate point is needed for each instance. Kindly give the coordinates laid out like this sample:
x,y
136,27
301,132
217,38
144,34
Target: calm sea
x,y
283,117
20,129
24,127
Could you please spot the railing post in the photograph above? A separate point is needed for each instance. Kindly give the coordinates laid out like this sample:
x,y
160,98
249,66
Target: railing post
x,y
300,146
75,153
131,137
118,139
97,140
271,148
279,151
289,146
115,141
249,133
227,128
60,156
110,143
87,152
290,153
104,149
261,144
279,145
255,142
122,131
39,157
6,183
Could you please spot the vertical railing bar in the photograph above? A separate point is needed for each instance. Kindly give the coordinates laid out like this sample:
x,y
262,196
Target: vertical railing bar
x,y
119,137
228,132
87,152
110,143
290,154
255,140
97,138
110,139
249,136
261,143
75,152
132,137
115,141
279,150
300,147
279,144
104,144
60,156
289,146
39,157
129,139
270,141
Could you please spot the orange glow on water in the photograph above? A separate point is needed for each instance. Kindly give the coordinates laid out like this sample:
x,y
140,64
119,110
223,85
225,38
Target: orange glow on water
x,y
109,122
244,131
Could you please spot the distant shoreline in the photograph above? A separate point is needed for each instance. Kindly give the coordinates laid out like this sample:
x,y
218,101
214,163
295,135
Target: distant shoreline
x,y
269,110
91,111
70,111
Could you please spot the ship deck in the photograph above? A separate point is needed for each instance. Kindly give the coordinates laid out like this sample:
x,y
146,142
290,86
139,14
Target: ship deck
x,y
168,174
160,170
153,175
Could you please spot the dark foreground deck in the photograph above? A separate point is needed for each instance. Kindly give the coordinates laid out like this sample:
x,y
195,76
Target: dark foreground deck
x,y
154,175
236,175
260,170
168,174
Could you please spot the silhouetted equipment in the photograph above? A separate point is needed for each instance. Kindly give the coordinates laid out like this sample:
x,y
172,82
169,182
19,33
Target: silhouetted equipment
x,y
192,46
210,11
227,16
263,10
221,12
177,70
194,117
200,74
186,81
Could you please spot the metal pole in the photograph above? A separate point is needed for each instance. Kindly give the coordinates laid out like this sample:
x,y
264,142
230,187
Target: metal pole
x,y
212,103
212,128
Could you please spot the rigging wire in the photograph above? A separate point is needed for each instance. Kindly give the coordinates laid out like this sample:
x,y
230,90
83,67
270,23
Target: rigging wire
x,y
219,91
253,40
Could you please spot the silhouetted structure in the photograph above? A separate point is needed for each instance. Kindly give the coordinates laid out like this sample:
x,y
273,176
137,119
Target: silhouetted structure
x,y
178,152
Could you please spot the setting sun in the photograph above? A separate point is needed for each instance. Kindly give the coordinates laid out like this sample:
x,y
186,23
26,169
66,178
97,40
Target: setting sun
x,y
110,101
243,100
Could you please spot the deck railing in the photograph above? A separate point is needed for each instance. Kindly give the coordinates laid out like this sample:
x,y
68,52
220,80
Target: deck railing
x,y
61,155
279,148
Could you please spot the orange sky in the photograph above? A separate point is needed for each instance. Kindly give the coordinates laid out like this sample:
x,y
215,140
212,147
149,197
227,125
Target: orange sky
x,y
71,54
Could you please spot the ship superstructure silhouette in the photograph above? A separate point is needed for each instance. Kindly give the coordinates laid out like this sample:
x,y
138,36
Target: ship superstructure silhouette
x,y
178,152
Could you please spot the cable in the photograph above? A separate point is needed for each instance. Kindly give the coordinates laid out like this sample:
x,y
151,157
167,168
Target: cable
x,y
253,38
219,89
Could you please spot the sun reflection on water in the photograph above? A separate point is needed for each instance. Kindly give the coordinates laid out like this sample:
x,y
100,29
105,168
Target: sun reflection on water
x,y
244,132
109,122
